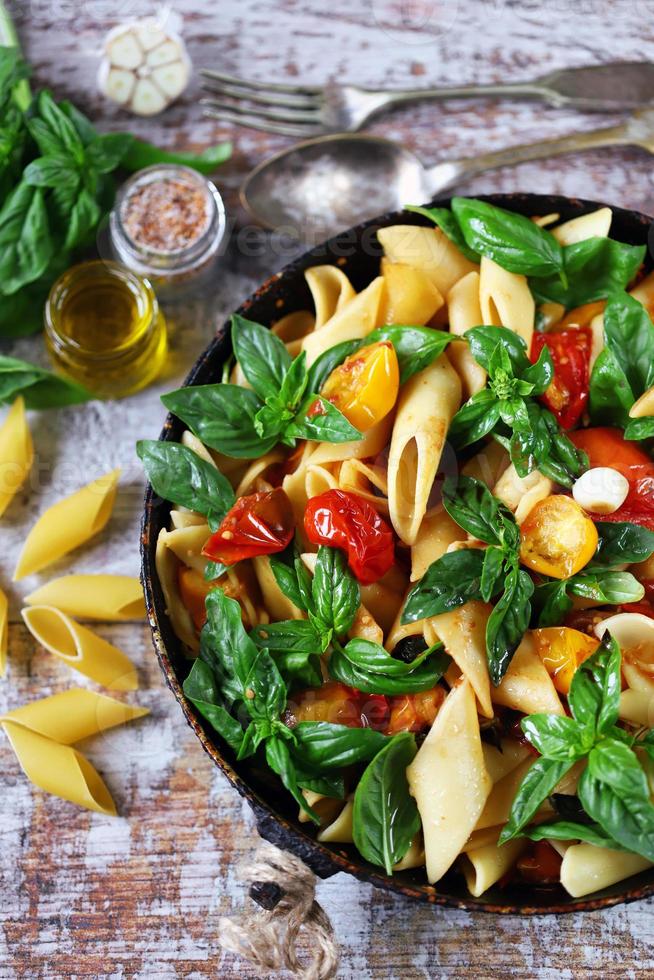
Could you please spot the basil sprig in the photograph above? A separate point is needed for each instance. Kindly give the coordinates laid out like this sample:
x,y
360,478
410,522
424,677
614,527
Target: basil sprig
x,y
622,541
247,422
385,817
624,369
368,667
507,407
460,576
600,584
594,269
613,788
39,388
181,476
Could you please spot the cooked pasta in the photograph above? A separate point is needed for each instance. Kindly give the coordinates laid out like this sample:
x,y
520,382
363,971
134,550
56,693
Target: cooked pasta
x,y
392,589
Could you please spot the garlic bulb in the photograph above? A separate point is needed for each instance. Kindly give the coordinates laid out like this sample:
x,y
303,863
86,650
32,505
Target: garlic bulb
x,y
145,66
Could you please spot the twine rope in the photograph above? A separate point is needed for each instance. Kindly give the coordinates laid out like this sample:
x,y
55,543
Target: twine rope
x,y
269,939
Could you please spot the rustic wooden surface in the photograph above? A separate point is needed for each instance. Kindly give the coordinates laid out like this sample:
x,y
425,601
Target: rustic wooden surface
x,y
138,896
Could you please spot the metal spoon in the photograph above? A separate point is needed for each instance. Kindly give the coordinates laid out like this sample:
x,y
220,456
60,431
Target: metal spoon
x,y
321,186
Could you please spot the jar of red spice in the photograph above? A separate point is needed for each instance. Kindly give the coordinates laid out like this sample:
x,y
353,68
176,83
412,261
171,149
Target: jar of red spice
x,y
168,224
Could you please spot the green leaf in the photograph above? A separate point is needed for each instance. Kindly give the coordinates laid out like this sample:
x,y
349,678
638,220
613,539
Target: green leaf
x,y
449,582
287,580
570,830
52,171
201,688
222,417
448,224
294,383
638,429
39,388
291,635
551,603
142,154
491,573
323,366
537,784
329,425
475,419
508,622
556,736
278,757
594,268
629,334
25,243
628,820
615,764
385,816
226,647
416,347
83,220
335,591
473,507
178,474
610,395
594,696
484,342
325,746
375,659
423,675
107,150
623,541
53,131
262,356
513,241
605,586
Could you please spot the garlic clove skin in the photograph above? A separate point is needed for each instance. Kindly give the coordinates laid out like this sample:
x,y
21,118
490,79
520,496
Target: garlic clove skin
x,y
145,66
601,490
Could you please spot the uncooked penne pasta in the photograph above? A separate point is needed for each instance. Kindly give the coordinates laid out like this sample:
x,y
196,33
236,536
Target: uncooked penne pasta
x,y
506,300
426,406
108,597
4,632
16,453
67,524
73,715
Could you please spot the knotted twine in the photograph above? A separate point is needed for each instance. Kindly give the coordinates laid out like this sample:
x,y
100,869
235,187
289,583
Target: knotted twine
x,y
268,937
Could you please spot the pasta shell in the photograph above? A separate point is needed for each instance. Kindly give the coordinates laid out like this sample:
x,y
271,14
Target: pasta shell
x,y
16,453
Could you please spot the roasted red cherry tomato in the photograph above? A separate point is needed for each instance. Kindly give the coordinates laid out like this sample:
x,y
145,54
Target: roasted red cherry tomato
x,y
540,864
608,447
347,521
567,394
259,524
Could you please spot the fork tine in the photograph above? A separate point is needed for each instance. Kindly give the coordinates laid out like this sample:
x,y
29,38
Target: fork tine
x,y
283,114
220,76
255,122
304,101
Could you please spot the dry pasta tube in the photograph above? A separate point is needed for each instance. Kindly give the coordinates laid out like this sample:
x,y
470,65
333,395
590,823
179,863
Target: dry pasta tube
x,y
80,648
73,715
331,290
586,868
506,300
4,632
484,866
410,295
449,781
115,598
464,312
68,524
428,249
426,406
353,321
16,453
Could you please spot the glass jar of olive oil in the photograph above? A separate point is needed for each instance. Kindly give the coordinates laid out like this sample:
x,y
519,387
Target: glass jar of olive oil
x,y
104,328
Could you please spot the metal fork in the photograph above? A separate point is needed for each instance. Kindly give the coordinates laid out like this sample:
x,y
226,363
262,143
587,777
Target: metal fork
x,y
306,110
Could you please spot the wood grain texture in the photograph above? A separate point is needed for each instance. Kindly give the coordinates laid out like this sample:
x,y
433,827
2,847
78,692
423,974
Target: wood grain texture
x,y
139,896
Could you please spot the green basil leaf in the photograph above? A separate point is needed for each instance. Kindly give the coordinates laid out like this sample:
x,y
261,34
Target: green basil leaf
x,y
541,373
473,507
594,268
299,668
610,395
375,659
201,689
491,573
604,586
556,736
178,474
551,603
286,577
323,366
107,150
570,830
539,781
83,220
416,347
292,635
629,334
638,429
449,582
226,647
26,246
629,820
335,591
39,388
294,383
423,678
52,130
280,760
475,419
385,817
614,763
213,570
448,224
222,417
513,241
52,171
262,356
484,341
623,541
324,746
142,154
594,696
329,425
508,623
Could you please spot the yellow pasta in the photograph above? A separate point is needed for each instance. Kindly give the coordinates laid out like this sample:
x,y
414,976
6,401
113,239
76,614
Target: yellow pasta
x,y
331,290
484,866
503,760
278,605
187,544
167,565
464,312
449,781
108,597
506,300
488,464
42,734
356,476
384,598
16,453
257,471
339,831
426,406
68,524
522,493
81,648
527,686
410,295
427,249
414,857
597,224
435,534
463,633
369,446
498,803
354,320
586,868
4,632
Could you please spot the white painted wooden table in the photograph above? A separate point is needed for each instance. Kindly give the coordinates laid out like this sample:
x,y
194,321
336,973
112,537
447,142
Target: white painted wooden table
x,y
83,895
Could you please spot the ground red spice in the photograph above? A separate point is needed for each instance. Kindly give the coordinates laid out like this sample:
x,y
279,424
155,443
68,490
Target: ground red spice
x,y
166,215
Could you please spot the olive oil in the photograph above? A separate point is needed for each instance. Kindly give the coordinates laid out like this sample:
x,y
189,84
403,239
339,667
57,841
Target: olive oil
x,y
104,328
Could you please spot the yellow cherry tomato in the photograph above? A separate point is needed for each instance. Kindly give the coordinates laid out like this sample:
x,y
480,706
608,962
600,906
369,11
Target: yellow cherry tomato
x,y
365,386
562,650
557,537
